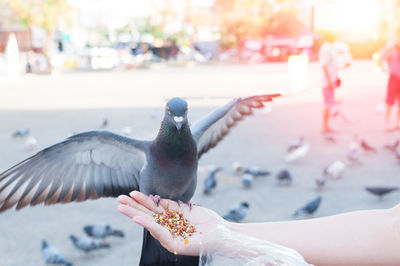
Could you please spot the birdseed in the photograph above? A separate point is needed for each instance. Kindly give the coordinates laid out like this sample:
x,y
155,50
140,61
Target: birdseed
x,y
175,224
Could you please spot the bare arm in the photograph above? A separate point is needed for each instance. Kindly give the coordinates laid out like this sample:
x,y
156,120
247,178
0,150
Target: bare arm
x,y
370,237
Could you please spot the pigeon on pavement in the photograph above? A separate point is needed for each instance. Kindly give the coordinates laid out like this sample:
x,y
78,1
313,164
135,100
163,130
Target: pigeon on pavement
x,y
210,183
256,171
104,124
366,147
352,157
392,147
102,231
297,144
20,133
87,244
284,177
52,256
380,191
31,143
98,164
309,208
320,182
297,153
237,214
335,170
237,167
247,180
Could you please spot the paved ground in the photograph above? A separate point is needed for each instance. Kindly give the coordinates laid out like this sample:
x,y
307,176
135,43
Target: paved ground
x,y
54,107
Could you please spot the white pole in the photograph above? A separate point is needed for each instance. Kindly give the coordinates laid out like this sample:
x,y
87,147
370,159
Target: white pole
x,y
12,57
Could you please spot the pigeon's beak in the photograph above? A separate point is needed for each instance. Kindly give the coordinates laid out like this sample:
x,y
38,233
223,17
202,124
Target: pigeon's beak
x,y
178,122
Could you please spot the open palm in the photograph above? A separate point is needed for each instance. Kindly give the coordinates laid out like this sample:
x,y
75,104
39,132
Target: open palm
x,y
141,208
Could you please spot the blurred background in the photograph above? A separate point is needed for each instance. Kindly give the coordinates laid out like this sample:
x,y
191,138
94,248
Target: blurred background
x,y
68,66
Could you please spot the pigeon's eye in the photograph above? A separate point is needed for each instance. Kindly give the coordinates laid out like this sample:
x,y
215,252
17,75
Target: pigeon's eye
x,y
168,110
186,110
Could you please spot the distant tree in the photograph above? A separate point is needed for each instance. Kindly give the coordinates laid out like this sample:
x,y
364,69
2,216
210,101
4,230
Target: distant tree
x,y
42,13
243,19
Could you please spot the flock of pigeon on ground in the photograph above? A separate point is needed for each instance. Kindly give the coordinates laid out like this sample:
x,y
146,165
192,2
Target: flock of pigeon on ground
x,y
51,255
296,151
205,137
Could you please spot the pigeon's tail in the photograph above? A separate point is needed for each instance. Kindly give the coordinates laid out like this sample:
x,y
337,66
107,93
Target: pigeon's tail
x,y
117,233
154,254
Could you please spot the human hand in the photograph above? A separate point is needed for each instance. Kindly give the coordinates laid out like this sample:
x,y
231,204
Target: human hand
x,y
141,208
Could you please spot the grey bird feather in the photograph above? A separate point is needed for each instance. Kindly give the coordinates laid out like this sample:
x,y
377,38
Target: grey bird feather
x,y
52,256
310,208
284,177
381,191
86,244
98,164
102,231
210,183
237,214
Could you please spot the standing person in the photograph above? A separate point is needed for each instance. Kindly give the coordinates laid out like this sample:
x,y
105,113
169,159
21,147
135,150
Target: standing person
x,y
330,81
391,60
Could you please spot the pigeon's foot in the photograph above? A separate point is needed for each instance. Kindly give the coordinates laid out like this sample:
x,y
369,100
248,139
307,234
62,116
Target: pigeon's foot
x,y
189,203
155,198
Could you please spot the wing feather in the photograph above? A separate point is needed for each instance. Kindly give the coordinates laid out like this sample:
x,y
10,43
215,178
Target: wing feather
x,y
88,165
211,129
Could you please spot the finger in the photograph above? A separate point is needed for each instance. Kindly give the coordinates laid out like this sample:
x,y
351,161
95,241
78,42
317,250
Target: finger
x,y
131,212
170,205
125,200
146,201
157,231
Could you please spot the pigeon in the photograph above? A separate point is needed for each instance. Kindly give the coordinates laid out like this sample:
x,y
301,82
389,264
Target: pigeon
x,y
366,147
102,231
237,167
256,171
296,145
104,124
352,157
31,143
127,131
381,191
20,133
100,163
297,153
392,147
335,170
247,180
210,182
284,177
329,138
237,214
320,182
52,256
86,244
309,208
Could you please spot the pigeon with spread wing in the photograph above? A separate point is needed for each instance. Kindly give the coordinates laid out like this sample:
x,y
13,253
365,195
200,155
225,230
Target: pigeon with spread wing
x,y
98,164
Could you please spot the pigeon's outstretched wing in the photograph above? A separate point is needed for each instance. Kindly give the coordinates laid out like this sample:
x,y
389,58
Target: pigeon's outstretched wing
x,y
211,129
87,165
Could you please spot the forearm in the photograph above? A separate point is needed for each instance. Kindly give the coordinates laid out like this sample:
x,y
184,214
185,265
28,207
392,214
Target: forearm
x,y
356,238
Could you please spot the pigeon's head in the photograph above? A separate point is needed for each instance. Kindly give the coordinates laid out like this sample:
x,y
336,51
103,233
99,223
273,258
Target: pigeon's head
x,y
87,229
73,238
44,244
244,205
176,111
